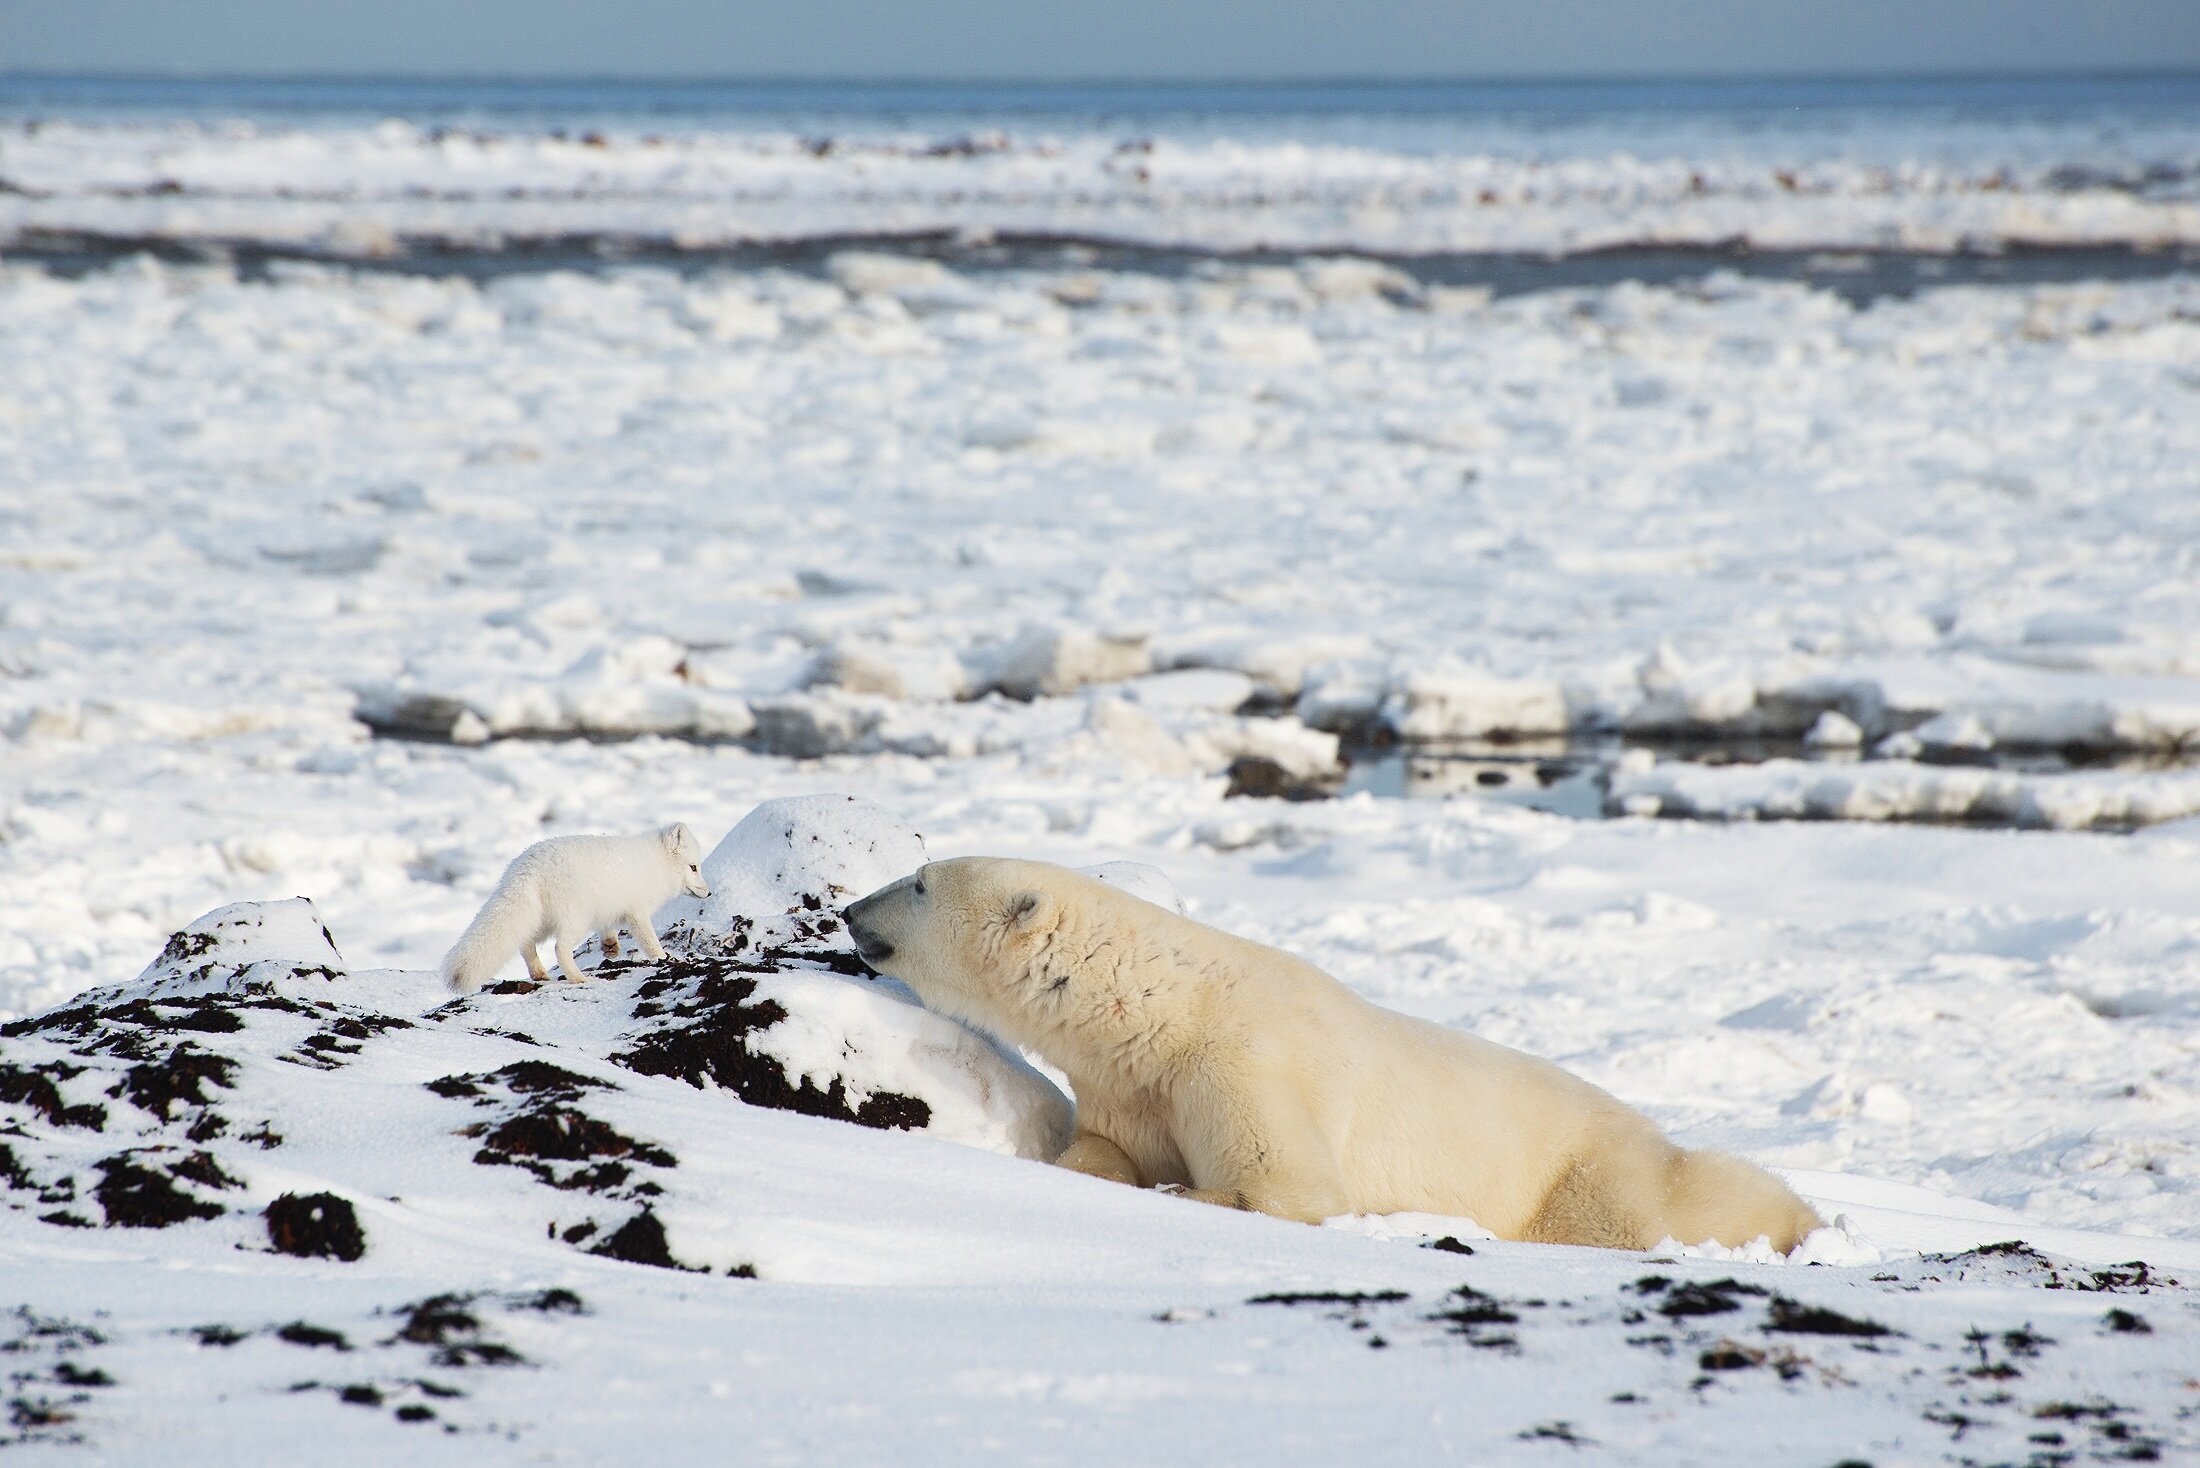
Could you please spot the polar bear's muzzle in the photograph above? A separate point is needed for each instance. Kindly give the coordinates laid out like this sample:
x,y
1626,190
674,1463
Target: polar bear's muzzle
x,y
874,948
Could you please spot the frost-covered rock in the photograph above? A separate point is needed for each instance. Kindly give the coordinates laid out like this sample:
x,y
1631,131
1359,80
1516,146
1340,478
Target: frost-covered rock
x,y
239,949
798,853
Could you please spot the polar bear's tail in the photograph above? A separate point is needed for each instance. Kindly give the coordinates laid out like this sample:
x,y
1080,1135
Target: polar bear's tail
x,y
507,922
1715,1195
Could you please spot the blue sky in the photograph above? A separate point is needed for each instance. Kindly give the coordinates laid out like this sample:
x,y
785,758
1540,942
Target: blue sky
x,y
1094,39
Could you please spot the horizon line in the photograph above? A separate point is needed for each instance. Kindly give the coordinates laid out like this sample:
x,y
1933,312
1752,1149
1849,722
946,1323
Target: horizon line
x,y
790,80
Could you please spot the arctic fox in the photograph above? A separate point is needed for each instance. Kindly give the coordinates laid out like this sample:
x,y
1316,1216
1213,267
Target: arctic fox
x,y
567,887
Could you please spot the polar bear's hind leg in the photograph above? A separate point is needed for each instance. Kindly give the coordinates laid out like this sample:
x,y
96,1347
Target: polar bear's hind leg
x,y
1596,1205
1715,1196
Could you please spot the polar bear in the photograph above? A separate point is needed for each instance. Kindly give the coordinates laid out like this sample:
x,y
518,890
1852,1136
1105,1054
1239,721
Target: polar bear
x,y
1245,1077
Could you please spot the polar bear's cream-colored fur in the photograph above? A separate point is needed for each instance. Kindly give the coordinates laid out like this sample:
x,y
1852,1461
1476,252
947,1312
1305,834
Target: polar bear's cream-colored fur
x,y
1252,1079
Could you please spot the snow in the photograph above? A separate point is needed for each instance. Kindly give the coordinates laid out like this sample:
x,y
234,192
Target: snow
x,y
324,591
1855,178
559,1244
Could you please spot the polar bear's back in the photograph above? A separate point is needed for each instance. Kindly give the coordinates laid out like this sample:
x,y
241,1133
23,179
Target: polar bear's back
x,y
1415,1115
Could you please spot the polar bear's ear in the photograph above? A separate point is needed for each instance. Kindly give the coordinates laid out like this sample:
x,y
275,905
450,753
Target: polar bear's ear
x,y
1028,909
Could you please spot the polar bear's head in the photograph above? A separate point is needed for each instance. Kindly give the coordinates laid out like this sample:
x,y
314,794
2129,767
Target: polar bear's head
x,y
976,937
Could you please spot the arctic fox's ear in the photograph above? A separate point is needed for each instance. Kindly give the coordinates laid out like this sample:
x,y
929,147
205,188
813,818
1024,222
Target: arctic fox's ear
x,y
677,836
1028,909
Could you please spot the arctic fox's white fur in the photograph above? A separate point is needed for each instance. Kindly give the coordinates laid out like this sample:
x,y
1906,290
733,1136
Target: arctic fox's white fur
x,y
567,887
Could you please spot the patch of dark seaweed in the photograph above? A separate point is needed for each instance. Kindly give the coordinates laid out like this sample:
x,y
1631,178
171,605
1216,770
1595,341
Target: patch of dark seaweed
x,y
135,1196
641,1240
1330,1297
12,1171
1472,1310
201,1168
562,1134
301,1333
1712,1297
34,1086
1797,1318
156,1086
315,1226
710,1046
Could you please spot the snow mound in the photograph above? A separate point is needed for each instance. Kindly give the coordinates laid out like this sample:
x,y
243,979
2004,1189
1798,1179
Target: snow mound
x,y
799,852
244,948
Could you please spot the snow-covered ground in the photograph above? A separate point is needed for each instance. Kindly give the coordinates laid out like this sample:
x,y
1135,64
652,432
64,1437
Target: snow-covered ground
x,y
259,1197
1031,558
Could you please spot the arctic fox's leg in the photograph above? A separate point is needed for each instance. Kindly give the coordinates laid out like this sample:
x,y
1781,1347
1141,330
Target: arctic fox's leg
x,y
562,946
535,969
611,942
637,923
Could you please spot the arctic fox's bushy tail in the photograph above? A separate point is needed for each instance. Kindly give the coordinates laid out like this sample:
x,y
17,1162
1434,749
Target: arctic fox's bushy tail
x,y
506,923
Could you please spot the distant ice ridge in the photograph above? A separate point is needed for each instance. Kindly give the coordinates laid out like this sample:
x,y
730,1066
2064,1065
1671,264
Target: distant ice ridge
x,y
349,189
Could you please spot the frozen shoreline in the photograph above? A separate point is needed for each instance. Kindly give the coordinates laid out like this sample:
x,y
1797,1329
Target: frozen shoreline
x,y
1860,176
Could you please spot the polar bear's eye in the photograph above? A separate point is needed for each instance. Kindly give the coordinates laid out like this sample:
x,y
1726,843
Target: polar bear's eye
x,y
920,886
